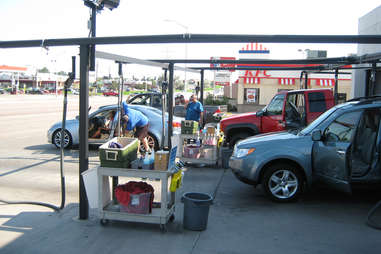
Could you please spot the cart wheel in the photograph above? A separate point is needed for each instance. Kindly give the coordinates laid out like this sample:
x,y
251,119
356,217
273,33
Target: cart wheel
x,y
104,222
172,218
163,228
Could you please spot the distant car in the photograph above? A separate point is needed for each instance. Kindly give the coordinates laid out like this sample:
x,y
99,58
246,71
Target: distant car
x,y
35,91
340,148
100,115
2,91
110,93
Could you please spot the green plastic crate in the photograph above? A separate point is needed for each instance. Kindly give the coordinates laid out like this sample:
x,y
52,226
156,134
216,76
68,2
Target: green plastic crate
x,y
119,157
189,127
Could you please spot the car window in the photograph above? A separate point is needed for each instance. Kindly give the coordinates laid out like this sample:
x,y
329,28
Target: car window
x,y
342,128
144,99
156,101
275,107
317,102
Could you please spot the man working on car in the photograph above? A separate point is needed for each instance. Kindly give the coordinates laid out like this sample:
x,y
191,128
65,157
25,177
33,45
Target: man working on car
x,y
135,119
195,110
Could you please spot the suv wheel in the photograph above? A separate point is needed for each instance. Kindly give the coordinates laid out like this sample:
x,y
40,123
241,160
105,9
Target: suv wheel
x,y
282,182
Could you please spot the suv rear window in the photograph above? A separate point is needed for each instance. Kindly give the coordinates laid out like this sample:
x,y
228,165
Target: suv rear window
x,y
317,102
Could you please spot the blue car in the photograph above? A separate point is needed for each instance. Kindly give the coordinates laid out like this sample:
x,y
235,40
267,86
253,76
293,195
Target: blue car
x,y
340,148
99,117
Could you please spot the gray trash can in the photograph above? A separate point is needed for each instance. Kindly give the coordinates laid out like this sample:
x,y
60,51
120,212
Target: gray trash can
x,y
196,210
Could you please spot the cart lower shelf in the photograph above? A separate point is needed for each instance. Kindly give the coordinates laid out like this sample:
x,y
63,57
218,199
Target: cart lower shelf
x,y
112,212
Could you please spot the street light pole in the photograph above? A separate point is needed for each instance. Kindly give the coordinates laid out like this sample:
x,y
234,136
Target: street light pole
x,y
186,49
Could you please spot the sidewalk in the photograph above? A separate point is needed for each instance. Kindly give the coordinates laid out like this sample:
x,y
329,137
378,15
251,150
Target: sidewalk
x,y
241,220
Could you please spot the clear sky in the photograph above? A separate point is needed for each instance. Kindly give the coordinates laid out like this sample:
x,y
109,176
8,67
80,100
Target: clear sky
x,y
48,19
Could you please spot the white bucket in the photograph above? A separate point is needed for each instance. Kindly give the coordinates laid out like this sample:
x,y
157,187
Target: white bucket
x,y
90,179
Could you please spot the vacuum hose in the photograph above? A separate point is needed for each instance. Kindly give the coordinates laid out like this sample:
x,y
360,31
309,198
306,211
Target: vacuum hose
x,y
68,83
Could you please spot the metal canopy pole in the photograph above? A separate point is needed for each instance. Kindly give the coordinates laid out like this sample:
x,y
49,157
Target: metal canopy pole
x,y
336,85
163,104
120,95
170,105
83,129
306,80
93,34
301,80
373,79
202,88
197,38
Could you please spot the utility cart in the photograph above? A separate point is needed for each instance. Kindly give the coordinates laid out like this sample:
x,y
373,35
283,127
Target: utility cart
x,y
110,210
206,153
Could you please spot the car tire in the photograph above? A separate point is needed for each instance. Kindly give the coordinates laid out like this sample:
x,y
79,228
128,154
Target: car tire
x,y
56,139
237,137
282,182
152,142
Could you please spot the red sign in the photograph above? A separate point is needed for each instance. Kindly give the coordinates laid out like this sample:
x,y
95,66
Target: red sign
x,y
223,65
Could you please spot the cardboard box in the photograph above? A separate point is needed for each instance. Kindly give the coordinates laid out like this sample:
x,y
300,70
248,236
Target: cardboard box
x,y
211,130
161,160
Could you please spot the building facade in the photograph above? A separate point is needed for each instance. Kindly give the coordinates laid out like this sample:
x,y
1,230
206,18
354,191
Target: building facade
x,y
255,88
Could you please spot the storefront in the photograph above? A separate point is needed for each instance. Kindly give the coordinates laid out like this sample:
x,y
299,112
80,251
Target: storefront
x,y
254,88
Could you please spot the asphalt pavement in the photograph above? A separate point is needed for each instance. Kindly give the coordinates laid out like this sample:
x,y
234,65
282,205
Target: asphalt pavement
x,y
241,219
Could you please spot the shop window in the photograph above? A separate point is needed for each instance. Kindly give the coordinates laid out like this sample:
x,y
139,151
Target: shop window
x,y
251,96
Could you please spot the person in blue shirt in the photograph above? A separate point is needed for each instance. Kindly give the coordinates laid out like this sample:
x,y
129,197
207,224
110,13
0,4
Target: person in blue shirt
x,y
195,110
135,119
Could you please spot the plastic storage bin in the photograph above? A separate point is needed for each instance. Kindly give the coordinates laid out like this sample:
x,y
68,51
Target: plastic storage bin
x,y
135,197
191,151
140,203
189,127
119,157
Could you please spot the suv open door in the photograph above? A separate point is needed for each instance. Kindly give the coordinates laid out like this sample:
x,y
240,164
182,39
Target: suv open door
x,y
331,151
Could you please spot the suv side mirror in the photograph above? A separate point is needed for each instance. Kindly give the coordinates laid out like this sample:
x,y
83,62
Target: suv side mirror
x,y
260,113
316,135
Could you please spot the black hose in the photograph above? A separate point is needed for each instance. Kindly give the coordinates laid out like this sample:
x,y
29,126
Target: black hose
x,y
68,82
371,223
55,208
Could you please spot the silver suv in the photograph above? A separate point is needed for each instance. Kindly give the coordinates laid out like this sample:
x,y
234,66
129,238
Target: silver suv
x,y
340,148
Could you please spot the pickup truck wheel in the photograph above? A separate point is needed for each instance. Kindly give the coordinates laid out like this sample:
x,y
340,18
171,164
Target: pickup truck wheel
x,y
237,137
282,182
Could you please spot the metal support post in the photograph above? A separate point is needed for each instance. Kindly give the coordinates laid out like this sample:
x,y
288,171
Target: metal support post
x,y
164,86
373,79
301,80
336,97
306,80
120,96
83,129
93,34
170,104
202,87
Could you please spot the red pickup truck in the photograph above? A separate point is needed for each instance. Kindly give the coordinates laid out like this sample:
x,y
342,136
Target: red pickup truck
x,y
287,110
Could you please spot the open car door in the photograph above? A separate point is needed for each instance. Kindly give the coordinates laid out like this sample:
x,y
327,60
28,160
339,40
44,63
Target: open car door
x,y
332,151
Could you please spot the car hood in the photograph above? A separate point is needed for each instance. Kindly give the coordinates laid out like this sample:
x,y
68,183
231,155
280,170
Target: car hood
x,y
275,137
237,116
